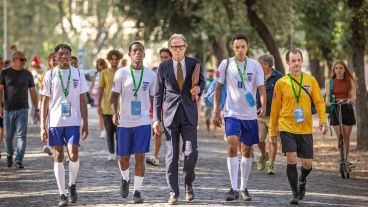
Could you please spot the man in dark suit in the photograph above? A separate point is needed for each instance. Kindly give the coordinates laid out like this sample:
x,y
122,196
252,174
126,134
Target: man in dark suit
x,y
179,114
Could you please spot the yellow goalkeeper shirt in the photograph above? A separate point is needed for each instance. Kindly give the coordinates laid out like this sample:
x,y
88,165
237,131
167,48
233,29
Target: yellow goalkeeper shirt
x,y
284,102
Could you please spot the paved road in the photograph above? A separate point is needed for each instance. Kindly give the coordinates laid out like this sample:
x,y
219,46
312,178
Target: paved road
x,y
98,181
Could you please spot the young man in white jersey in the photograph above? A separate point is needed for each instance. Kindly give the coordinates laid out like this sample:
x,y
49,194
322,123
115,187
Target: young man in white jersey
x,y
242,77
64,104
135,84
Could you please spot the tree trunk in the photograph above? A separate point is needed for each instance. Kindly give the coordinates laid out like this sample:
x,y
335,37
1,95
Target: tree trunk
x,y
358,45
317,71
219,49
265,34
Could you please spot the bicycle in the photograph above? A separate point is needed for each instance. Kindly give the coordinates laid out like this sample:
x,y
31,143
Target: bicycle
x,y
344,168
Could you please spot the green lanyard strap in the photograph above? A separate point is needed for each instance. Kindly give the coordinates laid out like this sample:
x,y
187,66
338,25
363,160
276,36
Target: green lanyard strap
x,y
65,89
140,80
297,96
242,75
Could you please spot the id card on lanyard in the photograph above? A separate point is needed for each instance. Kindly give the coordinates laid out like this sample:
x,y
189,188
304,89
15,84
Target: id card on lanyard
x,y
297,111
65,104
135,105
248,95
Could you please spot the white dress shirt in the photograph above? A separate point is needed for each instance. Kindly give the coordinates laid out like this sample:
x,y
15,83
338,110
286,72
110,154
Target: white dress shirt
x,y
182,66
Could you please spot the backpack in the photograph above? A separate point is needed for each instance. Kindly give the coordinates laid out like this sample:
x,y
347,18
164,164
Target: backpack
x,y
210,95
330,109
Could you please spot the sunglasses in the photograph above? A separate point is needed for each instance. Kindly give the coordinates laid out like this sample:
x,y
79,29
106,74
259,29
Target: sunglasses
x,y
180,47
21,59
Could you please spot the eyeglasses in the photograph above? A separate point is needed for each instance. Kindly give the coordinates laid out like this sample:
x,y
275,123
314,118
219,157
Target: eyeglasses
x,y
21,59
175,47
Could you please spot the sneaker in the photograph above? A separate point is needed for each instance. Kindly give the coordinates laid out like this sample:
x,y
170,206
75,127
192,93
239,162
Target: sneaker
x,y
63,200
261,165
151,160
137,197
124,188
9,161
19,165
112,156
173,200
302,189
244,195
271,170
46,149
73,193
103,134
294,200
232,195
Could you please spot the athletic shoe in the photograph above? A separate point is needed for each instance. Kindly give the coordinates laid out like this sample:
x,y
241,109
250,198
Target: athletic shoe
x,y
63,200
73,193
173,200
244,195
19,165
9,161
124,188
137,197
302,189
294,200
262,162
103,134
112,156
151,160
232,195
189,194
46,149
271,170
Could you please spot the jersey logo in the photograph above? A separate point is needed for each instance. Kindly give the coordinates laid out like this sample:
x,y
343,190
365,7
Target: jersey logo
x,y
75,83
145,85
307,88
249,76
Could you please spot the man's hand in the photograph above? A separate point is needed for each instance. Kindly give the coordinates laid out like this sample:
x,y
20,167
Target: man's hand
x,y
156,129
323,127
99,110
195,91
37,115
115,119
44,135
84,131
217,121
1,111
261,112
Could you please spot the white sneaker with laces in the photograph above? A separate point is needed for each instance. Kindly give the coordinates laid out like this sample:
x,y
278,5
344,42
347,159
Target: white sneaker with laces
x,y
111,157
103,134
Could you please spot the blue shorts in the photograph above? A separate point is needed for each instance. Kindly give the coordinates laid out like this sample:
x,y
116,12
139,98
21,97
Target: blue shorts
x,y
59,136
246,130
133,139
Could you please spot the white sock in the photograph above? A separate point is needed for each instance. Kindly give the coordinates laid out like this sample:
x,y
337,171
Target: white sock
x,y
233,167
60,176
138,183
125,174
245,167
73,171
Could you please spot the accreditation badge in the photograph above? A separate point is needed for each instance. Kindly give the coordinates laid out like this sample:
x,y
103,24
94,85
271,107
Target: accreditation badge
x,y
136,108
299,115
65,109
249,98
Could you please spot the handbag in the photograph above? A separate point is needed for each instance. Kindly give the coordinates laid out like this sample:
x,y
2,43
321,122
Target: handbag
x,y
313,107
210,95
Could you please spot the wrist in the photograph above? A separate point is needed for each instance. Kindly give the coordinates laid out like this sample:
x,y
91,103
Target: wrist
x,y
37,110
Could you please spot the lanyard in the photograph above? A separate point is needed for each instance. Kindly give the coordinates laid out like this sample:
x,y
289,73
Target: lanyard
x,y
140,80
242,75
297,96
65,89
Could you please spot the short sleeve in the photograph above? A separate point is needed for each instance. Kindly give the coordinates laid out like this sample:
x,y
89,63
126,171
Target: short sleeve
x,y
46,84
260,74
221,73
102,82
83,83
2,77
117,83
31,80
152,89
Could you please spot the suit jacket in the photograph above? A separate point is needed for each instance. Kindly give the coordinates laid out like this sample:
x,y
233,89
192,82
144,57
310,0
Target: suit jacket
x,y
168,95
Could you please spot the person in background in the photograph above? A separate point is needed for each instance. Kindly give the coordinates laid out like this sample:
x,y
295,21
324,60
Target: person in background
x,y
209,109
74,61
1,118
93,91
165,54
344,89
124,62
36,71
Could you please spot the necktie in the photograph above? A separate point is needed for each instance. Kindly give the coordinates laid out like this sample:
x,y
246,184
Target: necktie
x,y
179,75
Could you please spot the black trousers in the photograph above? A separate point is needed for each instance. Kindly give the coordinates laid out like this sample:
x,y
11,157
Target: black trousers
x,y
110,129
180,126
